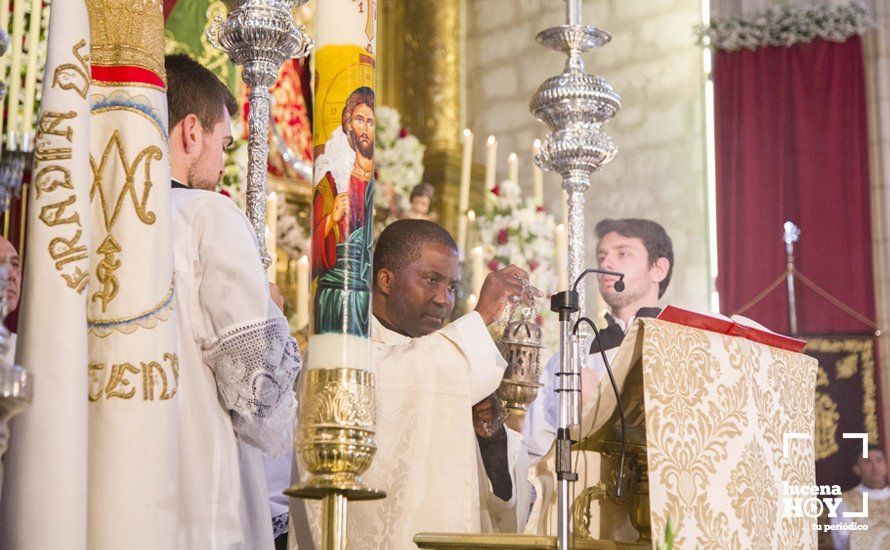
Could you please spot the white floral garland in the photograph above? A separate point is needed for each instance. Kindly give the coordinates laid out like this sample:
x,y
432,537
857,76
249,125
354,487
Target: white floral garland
x,y
398,159
788,25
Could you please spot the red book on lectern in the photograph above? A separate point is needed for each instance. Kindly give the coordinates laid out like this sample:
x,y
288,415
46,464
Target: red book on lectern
x,y
734,326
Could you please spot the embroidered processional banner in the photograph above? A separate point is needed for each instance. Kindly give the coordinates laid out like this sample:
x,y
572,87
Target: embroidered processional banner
x,y
98,325
133,363
48,448
846,402
719,411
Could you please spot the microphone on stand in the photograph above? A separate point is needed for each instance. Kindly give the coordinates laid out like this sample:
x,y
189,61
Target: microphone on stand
x,y
619,287
619,284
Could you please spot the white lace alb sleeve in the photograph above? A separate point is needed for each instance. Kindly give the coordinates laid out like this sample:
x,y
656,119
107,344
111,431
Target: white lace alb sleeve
x,y
255,367
246,340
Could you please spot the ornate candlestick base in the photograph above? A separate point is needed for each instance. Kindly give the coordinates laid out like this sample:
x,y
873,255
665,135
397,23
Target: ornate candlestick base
x,y
336,444
336,433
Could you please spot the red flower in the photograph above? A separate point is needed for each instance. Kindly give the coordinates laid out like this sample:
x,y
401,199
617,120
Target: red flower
x,y
502,236
494,265
539,320
404,132
539,208
496,190
533,265
225,193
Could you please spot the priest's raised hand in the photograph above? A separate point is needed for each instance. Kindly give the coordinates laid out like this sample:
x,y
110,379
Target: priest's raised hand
x,y
500,288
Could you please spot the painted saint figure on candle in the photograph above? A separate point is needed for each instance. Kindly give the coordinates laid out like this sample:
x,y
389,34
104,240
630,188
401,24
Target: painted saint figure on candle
x,y
341,214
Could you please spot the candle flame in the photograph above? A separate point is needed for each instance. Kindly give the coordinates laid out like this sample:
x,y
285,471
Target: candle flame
x,y
492,140
471,215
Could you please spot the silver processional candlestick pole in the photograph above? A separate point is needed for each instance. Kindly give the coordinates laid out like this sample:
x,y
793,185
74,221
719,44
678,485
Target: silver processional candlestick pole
x,y
259,35
574,105
791,235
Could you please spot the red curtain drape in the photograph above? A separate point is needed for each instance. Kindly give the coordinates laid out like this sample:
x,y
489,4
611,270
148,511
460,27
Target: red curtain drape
x,y
791,143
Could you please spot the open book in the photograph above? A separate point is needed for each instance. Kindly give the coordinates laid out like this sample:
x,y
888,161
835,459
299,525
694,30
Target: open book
x,y
734,326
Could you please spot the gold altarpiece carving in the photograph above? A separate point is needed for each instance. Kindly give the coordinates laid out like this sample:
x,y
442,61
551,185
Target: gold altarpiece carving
x,y
420,74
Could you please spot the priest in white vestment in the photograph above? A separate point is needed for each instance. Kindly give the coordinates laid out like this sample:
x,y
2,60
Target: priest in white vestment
x,y
428,377
874,490
237,359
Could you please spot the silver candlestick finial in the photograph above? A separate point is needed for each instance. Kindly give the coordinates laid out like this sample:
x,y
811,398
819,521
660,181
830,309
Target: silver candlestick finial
x,y
574,105
259,35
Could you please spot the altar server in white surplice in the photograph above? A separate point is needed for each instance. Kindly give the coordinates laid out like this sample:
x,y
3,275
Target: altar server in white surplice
x,y
237,358
428,377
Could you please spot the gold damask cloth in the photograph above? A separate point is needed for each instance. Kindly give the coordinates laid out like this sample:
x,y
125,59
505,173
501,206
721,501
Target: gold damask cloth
x,y
717,412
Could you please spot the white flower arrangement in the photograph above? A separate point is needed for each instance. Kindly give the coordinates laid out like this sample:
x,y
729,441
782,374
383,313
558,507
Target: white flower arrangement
x,y
516,231
788,25
398,160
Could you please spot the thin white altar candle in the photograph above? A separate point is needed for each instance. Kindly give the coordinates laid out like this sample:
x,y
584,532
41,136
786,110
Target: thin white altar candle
x,y
4,60
513,168
15,72
464,204
491,160
479,270
562,256
537,175
303,292
27,127
4,24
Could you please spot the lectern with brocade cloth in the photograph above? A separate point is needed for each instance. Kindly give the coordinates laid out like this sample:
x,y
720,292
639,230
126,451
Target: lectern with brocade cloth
x,y
707,416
